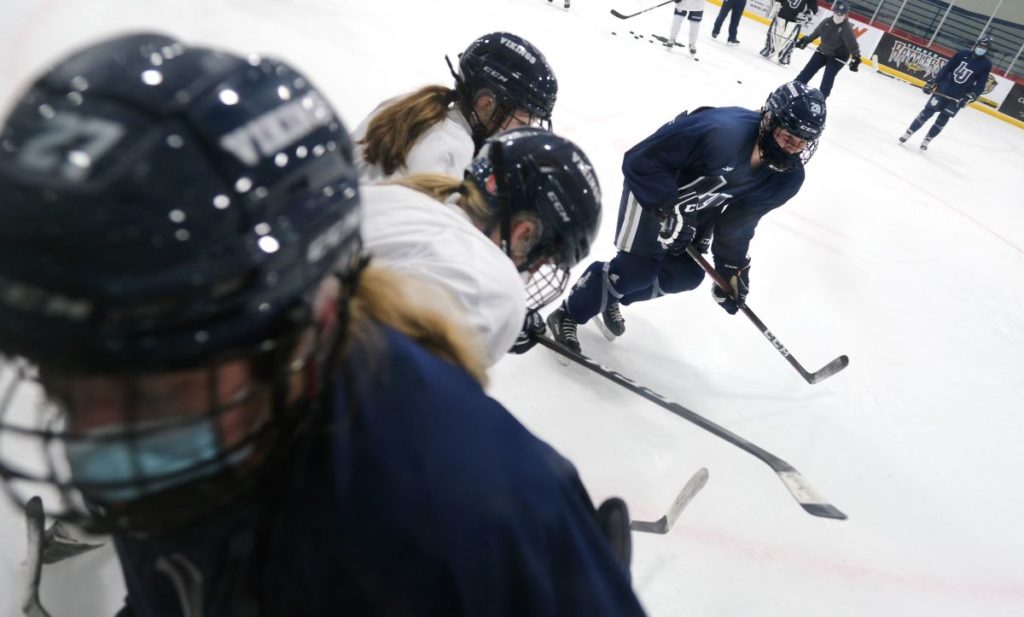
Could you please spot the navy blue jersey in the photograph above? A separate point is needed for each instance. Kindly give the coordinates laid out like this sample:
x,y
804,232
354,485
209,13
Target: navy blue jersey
x,y
702,159
414,494
964,73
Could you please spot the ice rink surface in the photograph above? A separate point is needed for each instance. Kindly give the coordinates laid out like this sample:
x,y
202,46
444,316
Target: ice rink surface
x,y
909,263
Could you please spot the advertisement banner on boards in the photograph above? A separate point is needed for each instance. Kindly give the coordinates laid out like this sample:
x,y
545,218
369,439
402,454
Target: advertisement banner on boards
x,y
1013,104
908,58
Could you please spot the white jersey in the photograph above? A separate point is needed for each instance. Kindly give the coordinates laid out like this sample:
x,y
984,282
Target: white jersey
x,y
445,148
428,240
690,5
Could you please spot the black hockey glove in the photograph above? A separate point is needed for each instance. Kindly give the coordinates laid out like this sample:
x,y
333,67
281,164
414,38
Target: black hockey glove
x,y
533,326
969,98
803,43
854,63
703,242
738,278
930,87
677,229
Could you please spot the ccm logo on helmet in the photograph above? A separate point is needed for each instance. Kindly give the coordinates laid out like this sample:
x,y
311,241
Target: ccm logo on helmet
x,y
277,128
519,49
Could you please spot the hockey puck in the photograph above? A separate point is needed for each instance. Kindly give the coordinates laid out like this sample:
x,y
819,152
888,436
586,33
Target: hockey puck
x,y
739,82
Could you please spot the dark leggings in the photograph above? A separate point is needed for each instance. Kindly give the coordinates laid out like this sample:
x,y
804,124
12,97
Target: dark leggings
x,y
818,60
736,8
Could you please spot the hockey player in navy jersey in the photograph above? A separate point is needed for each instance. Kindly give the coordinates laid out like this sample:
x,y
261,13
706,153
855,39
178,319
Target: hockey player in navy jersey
x,y
208,368
958,83
706,178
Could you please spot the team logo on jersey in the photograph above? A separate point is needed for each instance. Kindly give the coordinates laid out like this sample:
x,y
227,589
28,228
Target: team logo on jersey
x,y
962,73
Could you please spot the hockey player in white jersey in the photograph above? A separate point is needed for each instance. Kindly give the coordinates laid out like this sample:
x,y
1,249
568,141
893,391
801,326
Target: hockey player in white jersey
x,y
692,10
788,18
527,209
502,82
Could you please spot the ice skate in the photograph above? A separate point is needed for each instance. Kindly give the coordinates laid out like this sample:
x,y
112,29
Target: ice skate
x,y
904,137
612,325
924,144
732,42
563,329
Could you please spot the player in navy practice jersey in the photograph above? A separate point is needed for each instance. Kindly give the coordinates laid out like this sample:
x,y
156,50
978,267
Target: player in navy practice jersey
x,y
705,178
958,83
209,369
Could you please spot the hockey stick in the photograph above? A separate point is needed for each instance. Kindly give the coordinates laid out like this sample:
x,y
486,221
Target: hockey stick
x,y
809,499
35,519
821,374
621,16
664,524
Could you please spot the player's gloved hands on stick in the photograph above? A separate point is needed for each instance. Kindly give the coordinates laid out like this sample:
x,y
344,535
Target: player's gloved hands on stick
x,y
533,327
854,63
803,43
930,87
677,229
738,277
703,242
969,98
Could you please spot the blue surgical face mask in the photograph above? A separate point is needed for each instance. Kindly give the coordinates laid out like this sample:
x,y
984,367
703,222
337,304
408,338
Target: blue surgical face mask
x,y
979,51
142,461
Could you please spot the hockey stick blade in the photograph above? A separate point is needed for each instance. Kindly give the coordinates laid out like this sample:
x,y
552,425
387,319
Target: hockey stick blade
x,y
801,490
829,370
689,491
623,16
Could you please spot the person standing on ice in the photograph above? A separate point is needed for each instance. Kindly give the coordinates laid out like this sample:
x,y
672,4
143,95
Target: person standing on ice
x,y
502,82
788,17
209,369
691,10
704,179
838,44
958,83
735,7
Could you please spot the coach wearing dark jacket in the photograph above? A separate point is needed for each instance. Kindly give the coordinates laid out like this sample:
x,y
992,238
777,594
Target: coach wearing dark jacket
x,y
838,44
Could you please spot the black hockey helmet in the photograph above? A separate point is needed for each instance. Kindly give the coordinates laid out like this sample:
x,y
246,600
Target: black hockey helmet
x,y
533,170
514,70
800,110
984,42
840,8
164,205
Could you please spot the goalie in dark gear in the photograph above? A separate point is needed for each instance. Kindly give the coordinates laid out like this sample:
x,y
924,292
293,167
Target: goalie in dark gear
x,y
788,19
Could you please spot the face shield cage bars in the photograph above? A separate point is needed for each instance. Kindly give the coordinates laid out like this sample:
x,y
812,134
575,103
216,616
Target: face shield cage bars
x,y
34,433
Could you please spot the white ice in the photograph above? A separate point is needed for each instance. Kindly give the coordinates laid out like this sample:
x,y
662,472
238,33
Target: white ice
x,y
910,263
